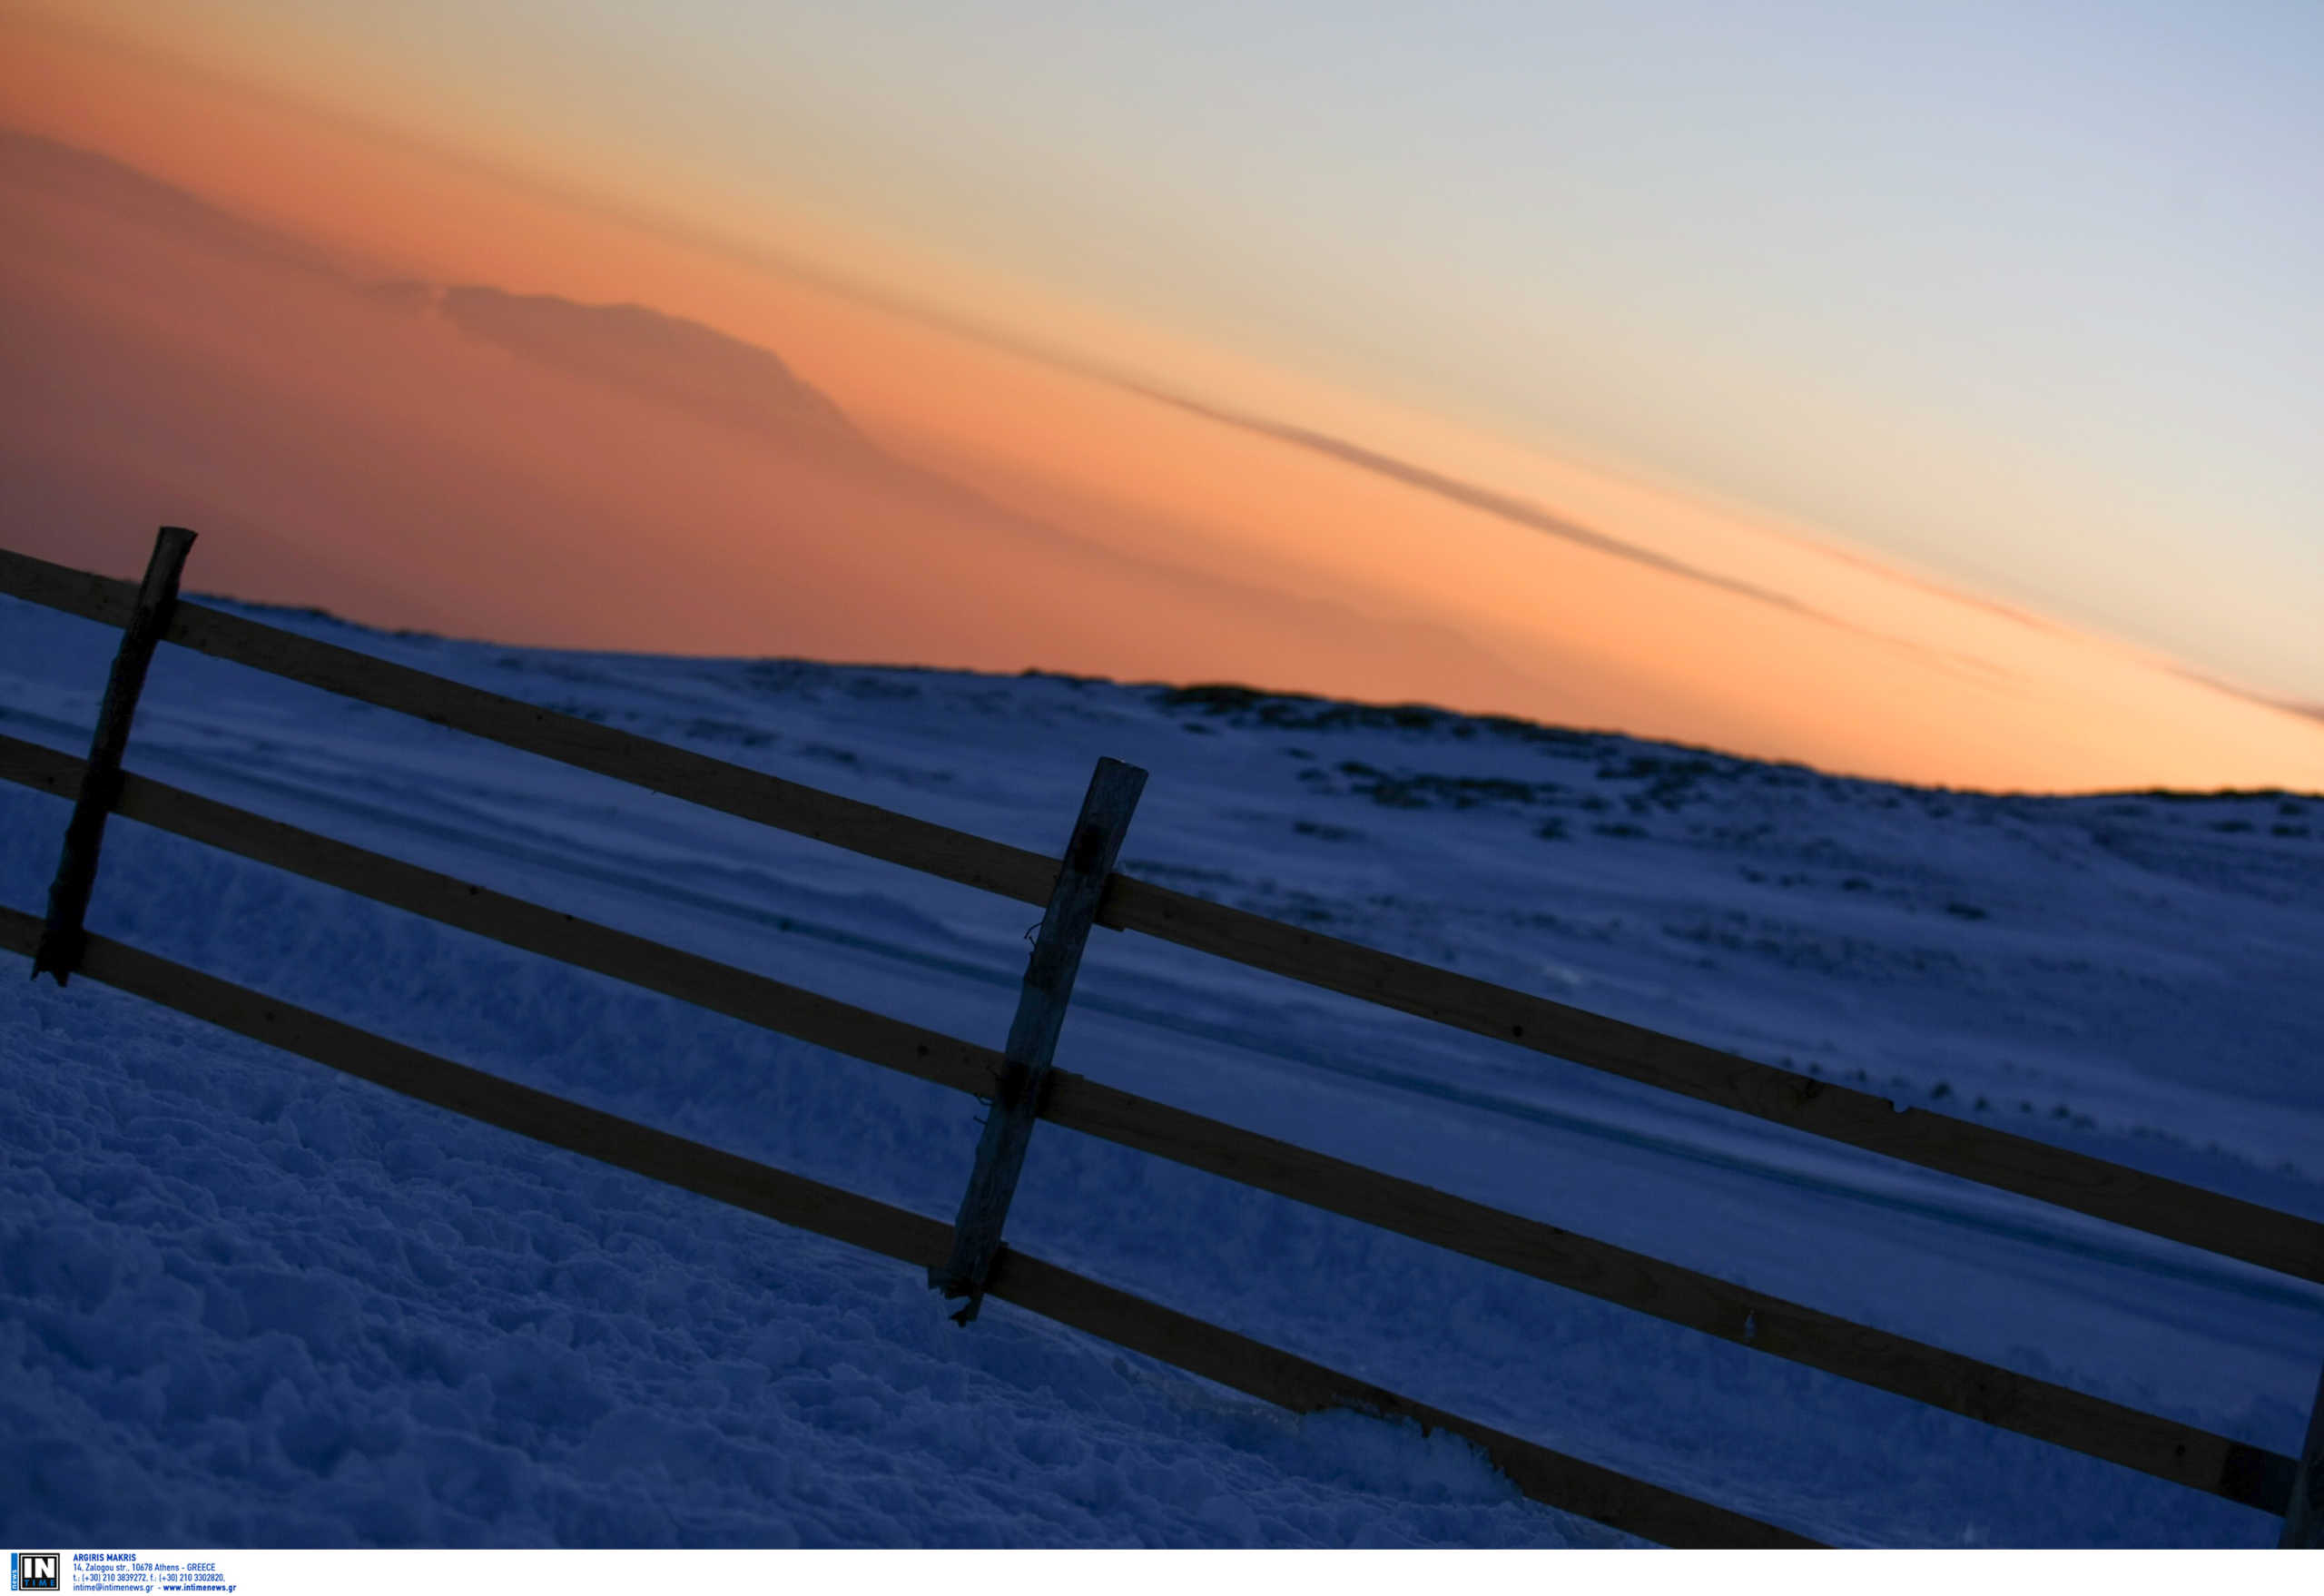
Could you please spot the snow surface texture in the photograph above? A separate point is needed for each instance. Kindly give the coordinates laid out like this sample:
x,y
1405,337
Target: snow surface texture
x,y
243,1300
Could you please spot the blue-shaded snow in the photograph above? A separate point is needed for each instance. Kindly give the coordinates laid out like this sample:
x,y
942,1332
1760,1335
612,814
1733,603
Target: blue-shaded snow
x,y
245,1301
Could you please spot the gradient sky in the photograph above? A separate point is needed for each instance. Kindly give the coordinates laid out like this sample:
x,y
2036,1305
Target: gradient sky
x,y
2014,302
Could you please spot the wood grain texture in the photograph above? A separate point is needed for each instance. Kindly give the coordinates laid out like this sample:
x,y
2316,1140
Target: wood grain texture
x,y
2182,1454
1041,1002
1265,1371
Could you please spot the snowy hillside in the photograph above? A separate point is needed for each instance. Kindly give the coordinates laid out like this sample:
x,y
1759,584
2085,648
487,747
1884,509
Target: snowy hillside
x,y
243,1300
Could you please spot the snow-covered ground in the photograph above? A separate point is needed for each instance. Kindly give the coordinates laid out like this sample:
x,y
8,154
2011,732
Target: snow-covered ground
x,y
243,1300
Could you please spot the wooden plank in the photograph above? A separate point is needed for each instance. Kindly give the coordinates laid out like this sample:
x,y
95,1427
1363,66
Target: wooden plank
x,y
2172,1451
476,1095
1041,1001
1649,1512
2304,1511
2001,1397
660,767
85,834
2159,1206
722,989
1265,1371
106,600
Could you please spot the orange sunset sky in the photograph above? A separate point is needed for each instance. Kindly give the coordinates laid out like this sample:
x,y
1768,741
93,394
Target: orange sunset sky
x,y
356,333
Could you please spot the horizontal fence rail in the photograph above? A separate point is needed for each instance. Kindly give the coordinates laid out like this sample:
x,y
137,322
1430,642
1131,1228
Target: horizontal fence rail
x,y
660,767
2133,1198
2167,1448
1055,1293
2161,1207
2230,1226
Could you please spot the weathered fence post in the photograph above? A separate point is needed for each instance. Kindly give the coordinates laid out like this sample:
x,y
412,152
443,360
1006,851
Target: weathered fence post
x,y
1113,794
62,939
2304,1519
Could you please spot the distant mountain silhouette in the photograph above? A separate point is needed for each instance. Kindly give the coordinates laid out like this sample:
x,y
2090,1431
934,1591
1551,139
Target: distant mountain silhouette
x,y
656,356
85,176
665,357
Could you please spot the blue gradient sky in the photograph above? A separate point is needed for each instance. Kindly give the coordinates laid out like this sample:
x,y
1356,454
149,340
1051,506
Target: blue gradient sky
x,y
2025,294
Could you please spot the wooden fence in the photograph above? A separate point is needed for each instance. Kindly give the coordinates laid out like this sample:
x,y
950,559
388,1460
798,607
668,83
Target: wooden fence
x,y
1024,1088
